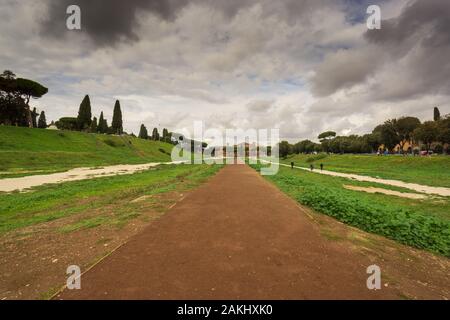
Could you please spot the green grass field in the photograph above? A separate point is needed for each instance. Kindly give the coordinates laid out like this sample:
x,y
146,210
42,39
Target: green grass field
x,y
433,171
423,224
113,195
26,151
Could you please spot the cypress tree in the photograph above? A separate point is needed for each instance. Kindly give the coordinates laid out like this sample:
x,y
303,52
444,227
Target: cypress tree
x,y
106,128
34,115
143,133
437,114
166,135
42,123
155,134
94,126
116,124
102,124
84,114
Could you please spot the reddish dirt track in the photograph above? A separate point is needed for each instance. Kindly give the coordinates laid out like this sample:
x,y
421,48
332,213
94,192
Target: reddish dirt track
x,y
235,237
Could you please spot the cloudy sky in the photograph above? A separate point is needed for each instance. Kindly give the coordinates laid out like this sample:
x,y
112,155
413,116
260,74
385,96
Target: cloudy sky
x,y
304,66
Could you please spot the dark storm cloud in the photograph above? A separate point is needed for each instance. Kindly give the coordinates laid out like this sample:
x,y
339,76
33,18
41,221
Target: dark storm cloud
x,y
420,35
415,46
108,21
429,20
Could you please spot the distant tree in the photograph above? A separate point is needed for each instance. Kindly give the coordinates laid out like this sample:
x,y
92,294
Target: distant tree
x,y
12,107
15,95
94,125
427,133
102,124
106,128
34,115
436,114
304,146
404,128
389,135
443,135
165,135
42,123
327,135
155,134
373,140
143,133
28,89
117,124
284,149
67,123
325,138
84,114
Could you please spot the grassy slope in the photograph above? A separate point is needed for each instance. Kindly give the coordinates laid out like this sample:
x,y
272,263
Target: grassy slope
x,y
24,149
109,194
420,223
434,171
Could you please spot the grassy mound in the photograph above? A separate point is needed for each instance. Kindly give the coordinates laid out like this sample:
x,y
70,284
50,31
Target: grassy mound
x,y
27,151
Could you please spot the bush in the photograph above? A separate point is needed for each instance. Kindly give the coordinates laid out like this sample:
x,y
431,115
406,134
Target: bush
x,y
111,143
315,158
67,123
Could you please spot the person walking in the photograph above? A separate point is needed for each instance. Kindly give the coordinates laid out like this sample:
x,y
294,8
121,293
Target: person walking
x,y
321,167
312,167
292,165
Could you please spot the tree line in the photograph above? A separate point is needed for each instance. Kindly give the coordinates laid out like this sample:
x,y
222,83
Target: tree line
x,y
15,96
166,136
87,123
392,136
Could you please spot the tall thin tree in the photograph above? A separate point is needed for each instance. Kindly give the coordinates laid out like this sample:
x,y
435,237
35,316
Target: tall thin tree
x,y
436,114
117,124
143,133
84,118
42,123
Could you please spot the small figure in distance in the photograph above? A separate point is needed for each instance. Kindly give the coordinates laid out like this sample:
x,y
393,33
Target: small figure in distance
x,y
292,165
321,167
312,167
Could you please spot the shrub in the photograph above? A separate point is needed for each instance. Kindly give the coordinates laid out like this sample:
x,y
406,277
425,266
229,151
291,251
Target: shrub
x,y
315,158
111,143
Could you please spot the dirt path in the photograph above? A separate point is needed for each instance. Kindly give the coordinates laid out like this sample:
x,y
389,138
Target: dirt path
x,y
236,237
441,191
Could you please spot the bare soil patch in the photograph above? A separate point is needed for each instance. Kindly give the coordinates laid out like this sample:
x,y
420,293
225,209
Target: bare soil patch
x,y
387,192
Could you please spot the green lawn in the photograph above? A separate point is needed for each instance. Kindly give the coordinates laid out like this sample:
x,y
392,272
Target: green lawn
x,y
420,223
111,194
433,171
26,151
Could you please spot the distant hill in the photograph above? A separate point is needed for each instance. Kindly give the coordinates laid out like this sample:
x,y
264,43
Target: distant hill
x,y
28,151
